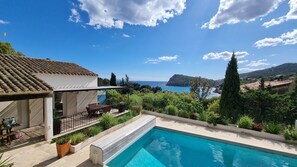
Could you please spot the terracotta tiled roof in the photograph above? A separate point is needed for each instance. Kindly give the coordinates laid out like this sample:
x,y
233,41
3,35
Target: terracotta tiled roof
x,y
273,84
17,74
44,66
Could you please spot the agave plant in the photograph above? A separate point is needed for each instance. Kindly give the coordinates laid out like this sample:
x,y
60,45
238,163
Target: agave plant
x,y
5,162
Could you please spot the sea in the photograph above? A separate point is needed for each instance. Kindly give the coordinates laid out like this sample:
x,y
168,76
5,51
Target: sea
x,y
162,84
178,89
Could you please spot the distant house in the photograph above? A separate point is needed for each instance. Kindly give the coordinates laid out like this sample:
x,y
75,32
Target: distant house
x,y
273,84
30,88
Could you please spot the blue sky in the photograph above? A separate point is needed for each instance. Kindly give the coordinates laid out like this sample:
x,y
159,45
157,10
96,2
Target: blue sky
x,y
154,39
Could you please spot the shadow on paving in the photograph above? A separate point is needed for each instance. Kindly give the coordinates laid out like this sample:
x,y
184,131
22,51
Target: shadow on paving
x,y
31,141
47,162
87,163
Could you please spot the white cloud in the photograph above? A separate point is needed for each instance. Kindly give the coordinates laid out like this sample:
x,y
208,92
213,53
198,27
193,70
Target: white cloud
x,y
236,11
289,38
168,58
3,22
126,36
249,69
162,59
75,16
242,61
224,55
257,63
116,13
291,15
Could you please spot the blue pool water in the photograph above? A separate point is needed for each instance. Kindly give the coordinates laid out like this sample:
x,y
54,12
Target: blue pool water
x,y
160,148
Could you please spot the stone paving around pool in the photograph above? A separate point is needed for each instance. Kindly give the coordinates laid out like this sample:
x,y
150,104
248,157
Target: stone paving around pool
x,y
44,154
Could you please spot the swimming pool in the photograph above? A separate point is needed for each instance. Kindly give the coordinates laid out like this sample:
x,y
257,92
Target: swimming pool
x,y
160,147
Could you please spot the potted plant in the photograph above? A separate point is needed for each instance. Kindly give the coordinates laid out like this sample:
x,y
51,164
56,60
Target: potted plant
x,y
63,146
122,106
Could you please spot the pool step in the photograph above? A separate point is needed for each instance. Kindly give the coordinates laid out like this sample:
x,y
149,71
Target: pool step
x,y
109,146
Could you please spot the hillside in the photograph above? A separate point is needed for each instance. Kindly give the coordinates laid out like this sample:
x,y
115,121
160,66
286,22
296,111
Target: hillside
x,y
184,80
284,69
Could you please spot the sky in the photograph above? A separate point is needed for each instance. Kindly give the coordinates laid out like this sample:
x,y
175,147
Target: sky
x,y
151,40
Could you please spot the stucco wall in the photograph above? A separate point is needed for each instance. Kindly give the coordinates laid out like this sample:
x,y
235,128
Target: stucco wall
x,y
36,112
68,81
85,98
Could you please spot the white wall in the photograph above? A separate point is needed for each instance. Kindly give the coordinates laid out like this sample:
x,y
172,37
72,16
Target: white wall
x,y
8,109
36,112
68,81
85,98
28,113
23,113
69,103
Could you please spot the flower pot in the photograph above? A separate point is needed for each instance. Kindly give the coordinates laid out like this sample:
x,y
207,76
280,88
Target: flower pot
x,y
63,149
122,106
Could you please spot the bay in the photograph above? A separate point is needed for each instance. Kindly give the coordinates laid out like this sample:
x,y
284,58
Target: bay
x,y
178,89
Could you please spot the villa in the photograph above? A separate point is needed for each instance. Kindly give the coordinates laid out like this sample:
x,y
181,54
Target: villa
x,y
35,92
31,89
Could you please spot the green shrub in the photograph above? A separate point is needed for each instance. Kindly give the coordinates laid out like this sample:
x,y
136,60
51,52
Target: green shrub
x,y
77,138
171,110
62,140
183,114
135,100
113,98
273,128
290,133
202,116
160,111
148,100
94,130
215,106
213,118
107,121
245,122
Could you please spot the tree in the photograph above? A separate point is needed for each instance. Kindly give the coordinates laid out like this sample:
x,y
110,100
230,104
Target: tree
x,y
103,82
262,84
201,87
294,94
6,48
230,98
113,80
122,83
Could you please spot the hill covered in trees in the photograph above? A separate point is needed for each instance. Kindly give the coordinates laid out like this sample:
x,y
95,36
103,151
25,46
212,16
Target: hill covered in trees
x,y
284,69
184,80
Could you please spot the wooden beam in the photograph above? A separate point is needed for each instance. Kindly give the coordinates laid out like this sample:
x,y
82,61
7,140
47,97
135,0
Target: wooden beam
x,y
23,97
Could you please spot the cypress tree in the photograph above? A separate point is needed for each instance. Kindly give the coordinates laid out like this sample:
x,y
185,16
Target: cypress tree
x,y
230,98
294,94
262,84
113,80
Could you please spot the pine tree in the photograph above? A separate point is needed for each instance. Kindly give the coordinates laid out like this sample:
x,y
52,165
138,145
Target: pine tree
x,y
230,98
113,80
